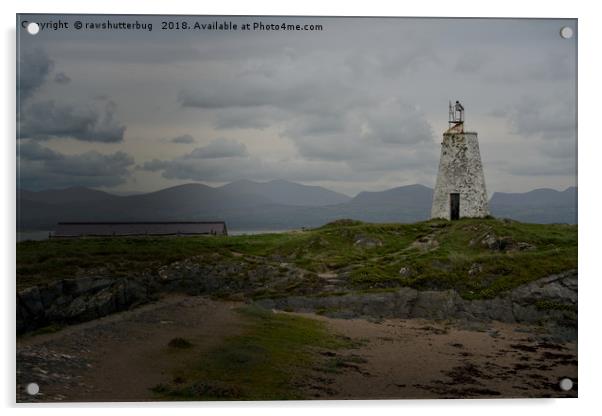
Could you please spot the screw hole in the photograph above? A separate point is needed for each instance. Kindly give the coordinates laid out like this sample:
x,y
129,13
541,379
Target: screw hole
x,y
32,389
33,28
566,384
566,32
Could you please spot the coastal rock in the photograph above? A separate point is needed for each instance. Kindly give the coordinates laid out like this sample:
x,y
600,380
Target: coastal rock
x,y
551,299
523,304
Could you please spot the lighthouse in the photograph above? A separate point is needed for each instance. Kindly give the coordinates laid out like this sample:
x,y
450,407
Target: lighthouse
x,y
460,188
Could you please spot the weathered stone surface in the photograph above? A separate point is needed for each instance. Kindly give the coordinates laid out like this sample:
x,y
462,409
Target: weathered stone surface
x,y
499,309
31,301
426,243
435,304
552,288
367,242
83,285
460,171
51,293
550,299
405,271
70,301
475,269
519,305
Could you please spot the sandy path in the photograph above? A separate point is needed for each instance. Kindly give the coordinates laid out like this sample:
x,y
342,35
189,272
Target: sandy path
x,y
120,357
425,359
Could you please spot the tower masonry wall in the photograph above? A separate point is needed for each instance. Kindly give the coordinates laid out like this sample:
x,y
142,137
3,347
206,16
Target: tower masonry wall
x,y
460,171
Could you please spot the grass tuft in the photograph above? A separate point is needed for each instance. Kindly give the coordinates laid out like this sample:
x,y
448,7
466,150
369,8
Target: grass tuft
x,y
270,361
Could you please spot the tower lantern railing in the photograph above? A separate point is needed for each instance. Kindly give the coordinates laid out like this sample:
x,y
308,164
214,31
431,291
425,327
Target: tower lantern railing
x,y
456,117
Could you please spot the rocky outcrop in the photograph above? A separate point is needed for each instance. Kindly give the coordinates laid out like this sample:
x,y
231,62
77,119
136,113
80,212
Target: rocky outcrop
x,y
77,300
550,299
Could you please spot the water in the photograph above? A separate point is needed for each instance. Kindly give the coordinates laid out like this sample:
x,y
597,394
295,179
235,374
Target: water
x,y
43,235
32,235
255,232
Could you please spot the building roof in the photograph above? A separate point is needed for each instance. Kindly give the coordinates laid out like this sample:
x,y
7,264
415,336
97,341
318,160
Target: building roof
x,y
77,229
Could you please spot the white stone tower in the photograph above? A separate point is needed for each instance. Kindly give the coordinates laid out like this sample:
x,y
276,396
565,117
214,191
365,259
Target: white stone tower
x,y
460,188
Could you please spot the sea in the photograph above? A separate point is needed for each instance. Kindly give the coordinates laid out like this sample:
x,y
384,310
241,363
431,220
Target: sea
x,y
44,235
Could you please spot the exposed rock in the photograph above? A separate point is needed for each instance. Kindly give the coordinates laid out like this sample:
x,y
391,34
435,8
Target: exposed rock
x,y
551,299
367,242
435,304
493,242
555,288
71,300
426,243
51,293
490,241
76,300
475,269
405,271
31,300
523,246
519,305
76,287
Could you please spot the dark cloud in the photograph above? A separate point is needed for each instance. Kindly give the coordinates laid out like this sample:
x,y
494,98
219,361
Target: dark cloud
x,y
209,161
229,160
325,112
48,120
62,78
290,86
33,70
235,168
245,118
395,122
219,148
552,117
356,103
154,165
41,167
364,137
30,150
258,93
183,139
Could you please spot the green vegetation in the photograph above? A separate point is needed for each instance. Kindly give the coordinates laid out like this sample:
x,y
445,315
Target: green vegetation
x,y
48,329
270,361
480,258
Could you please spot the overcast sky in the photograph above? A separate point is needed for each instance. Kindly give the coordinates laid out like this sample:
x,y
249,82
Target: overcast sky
x,y
360,105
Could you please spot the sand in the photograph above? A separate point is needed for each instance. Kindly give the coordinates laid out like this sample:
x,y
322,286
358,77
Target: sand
x,y
122,356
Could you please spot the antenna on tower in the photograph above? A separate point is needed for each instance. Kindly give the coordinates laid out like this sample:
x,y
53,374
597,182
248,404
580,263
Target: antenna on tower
x,y
456,117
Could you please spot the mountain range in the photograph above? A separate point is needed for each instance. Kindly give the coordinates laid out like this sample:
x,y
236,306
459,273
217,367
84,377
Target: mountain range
x,y
274,205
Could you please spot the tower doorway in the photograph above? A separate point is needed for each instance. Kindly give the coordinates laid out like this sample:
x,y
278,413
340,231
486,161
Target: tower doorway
x,y
454,206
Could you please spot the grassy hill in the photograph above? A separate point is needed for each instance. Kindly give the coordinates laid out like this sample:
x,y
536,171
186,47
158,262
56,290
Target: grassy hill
x,y
478,257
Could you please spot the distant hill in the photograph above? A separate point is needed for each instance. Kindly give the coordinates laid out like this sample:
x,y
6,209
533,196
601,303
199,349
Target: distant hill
x,y
543,206
288,193
247,205
417,196
66,196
